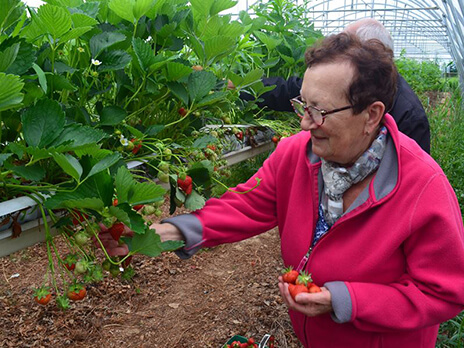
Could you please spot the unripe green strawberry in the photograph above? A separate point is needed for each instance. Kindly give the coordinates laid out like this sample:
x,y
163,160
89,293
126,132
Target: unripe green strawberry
x,y
167,154
163,177
148,210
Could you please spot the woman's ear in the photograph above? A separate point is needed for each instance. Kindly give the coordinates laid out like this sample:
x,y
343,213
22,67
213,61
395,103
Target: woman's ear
x,y
375,115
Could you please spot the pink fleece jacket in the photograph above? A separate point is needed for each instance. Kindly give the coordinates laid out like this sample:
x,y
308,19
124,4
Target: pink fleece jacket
x,y
399,250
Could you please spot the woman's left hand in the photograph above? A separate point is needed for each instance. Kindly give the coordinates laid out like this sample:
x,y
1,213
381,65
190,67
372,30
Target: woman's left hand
x,y
309,304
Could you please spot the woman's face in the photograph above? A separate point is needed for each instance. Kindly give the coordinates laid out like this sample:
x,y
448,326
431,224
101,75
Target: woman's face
x,y
342,138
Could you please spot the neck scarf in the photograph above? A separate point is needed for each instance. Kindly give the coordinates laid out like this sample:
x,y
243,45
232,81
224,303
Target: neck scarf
x,y
338,179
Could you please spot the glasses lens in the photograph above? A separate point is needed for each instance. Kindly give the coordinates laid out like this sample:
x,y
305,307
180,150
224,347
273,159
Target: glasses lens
x,y
298,107
315,115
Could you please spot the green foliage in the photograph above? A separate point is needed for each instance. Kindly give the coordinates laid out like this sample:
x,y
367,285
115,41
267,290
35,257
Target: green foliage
x,y
421,76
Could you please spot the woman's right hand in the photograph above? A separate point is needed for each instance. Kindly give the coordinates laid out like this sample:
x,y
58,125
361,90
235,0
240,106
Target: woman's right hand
x,y
167,231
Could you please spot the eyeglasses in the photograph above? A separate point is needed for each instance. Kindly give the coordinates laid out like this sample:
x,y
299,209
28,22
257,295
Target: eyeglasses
x,y
317,115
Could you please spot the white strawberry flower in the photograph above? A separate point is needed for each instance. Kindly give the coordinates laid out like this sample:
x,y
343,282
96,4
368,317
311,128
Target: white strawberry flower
x,y
96,62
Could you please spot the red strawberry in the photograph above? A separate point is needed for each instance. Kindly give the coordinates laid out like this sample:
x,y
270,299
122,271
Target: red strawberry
x,y
275,139
313,288
115,202
289,275
138,207
239,135
137,145
182,112
188,190
184,184
297,289
116,230
304,278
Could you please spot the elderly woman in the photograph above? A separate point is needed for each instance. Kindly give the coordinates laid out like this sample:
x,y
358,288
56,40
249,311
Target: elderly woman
x,y
358,204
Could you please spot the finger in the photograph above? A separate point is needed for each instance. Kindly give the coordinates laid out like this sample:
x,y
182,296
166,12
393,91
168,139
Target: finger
x,y
121,250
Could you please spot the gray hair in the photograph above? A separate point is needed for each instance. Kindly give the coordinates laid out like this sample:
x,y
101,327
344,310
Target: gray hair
x,y
375,30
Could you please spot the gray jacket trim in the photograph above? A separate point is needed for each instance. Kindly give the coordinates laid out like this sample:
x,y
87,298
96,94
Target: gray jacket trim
x,y
341,302
192,230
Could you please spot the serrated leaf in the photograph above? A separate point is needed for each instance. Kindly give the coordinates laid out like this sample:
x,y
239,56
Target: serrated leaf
x,y
10,91
176,71
148,244
8,56
144,53
171,245
136,222
42,123
93,150
200,83
141,7
103,41
218,47
76,135
123,8
154,129
41,76
105,163
194,201
269,41
120,214
179,91
212,98
34,172
86,203
74,34
134,131
37,153
112,115
221,5
69,164
82,20
54,20
10,13
201,143
113,60
4,157
251,77
25,58
60,83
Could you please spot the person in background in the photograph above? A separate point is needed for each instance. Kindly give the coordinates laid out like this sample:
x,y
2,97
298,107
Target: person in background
x,y
358,204
407,109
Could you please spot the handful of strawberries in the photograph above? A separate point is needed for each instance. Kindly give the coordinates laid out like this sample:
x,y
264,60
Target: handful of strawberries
x,y
299,282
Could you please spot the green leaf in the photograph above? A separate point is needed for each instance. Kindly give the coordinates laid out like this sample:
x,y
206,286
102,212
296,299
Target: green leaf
x,y
113,60
10,13
141,7
202,142
103,41
54,20
60,83
251,77
194,201
69,164
112,115
120,214
42,123
74,34
4,157
176,71
123,8
171,245
37,153
154,129
130,191
105,163
221,5
135,221
76,135
179,91
218,47
41,75
10,91
200,83
148,244
25,58
144,53
93,150
212,98
134,131
8,56
86,203
268,40
34,172
82,20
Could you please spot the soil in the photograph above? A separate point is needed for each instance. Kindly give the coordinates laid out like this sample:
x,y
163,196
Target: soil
x,y
201,302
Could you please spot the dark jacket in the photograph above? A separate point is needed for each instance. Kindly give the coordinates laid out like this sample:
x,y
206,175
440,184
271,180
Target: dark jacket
x,y
407,109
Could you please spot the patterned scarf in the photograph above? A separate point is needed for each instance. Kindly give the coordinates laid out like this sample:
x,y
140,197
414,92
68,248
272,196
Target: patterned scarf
x,y
338,179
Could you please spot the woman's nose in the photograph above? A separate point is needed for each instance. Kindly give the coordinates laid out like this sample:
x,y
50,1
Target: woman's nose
x,y
307,123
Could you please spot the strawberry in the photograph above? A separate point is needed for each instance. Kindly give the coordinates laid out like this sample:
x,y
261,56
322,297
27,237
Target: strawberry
x,y
70,262
137,145
275,139
115,202
239,135
116,230
182,112
296,289
304,279
138,207
313,288
186,184
76,292
42,295
289,275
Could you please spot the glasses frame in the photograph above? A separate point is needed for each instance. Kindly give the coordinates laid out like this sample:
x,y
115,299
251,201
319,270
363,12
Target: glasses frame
x,y
307,108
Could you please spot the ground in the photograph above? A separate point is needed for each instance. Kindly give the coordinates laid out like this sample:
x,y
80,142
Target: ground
x,y
200,302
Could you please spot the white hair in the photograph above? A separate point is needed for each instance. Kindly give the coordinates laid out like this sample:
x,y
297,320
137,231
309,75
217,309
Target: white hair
x,y
375,30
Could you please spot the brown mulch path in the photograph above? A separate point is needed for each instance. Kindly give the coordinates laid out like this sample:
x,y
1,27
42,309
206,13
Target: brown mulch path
x,y
200,302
